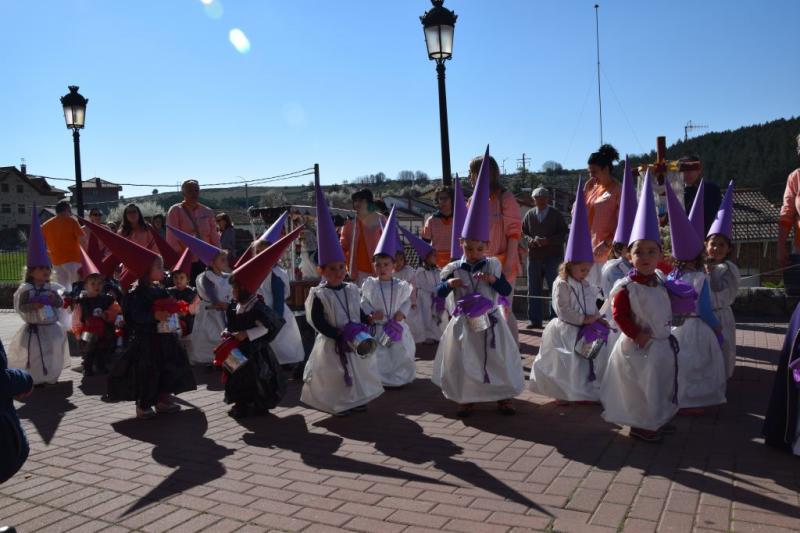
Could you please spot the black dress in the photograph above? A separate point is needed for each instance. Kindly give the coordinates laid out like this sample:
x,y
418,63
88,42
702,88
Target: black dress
x,y
97,352
186,295
780,424
153,362
259,380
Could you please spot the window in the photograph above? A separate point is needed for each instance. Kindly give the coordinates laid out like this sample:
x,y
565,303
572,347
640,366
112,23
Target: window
x,y
4,187
21,209
5,208
19,189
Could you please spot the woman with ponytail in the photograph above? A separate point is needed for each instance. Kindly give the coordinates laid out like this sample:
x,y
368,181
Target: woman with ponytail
x,y
603,194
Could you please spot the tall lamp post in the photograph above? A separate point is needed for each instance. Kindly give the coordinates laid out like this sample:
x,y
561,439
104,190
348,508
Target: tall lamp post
x,y
439,25
75,114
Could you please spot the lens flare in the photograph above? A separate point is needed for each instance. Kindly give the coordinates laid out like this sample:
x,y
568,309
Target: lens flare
x,y
212,8
239,40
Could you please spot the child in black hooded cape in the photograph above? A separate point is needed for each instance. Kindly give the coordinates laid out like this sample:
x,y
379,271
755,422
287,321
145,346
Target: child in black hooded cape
x,y
257,385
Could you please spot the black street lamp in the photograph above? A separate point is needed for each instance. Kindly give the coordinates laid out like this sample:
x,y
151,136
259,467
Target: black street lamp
x,y
439,24
75,114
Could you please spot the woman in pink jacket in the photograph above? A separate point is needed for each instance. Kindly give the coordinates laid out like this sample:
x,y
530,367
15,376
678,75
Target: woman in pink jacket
x,y
790,214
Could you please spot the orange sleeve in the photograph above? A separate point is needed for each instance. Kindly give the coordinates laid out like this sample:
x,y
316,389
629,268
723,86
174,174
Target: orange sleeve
x,y
512,219
426,229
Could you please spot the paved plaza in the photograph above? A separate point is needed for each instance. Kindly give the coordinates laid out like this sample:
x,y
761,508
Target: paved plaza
x,y
408,464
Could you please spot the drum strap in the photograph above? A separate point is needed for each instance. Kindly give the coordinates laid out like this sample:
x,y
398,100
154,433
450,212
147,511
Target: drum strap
x,y
676,348
33,329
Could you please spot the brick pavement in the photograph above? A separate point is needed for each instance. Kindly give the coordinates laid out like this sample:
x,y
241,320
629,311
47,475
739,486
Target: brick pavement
x,y
406,465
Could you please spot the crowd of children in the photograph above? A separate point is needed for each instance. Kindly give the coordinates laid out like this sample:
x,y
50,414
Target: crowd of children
x,y
649,342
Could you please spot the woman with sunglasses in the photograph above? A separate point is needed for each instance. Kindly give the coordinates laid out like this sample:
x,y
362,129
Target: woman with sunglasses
x,y
136,229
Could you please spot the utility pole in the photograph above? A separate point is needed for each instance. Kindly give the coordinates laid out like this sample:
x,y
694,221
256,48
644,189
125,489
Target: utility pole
x,y
523,162
599,98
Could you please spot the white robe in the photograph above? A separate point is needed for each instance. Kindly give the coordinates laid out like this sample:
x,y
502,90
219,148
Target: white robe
x,y
324,387
724,282
432,323
395,363
701,365
42,351
209,321
288,345
413,318
557,371
613,271
639,383
463,355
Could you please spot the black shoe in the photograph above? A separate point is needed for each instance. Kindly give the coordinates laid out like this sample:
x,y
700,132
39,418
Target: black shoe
x,y
359,409
7,529
238,411
534,325
465,410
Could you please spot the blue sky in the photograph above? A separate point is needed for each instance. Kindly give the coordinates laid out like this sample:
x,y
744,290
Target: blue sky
x,y
347,83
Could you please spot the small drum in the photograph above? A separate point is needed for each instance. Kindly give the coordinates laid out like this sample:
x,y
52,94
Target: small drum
x,y
234,360
170,325
363,344
589,350
384,339
479,323
89,337
46,314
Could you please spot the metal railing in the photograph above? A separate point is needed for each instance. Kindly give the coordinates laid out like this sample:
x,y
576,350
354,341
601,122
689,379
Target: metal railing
x,y
11,265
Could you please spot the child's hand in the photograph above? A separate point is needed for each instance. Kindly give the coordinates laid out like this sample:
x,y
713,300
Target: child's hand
x,y
604,322
222,306
485,276
399,317
455,283
643,338
161,316
376,315
240,336
38,305
590,319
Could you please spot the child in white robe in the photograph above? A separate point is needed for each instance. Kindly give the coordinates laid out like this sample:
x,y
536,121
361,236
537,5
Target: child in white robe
x,y
430,307
337,380
558,372
404,272
388,301
40,345
288,345
215,296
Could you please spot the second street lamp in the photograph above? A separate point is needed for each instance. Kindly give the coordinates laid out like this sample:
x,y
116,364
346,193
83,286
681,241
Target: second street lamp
x,y
439,25
75,115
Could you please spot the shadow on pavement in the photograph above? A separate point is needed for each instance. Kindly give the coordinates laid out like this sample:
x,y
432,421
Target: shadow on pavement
x,y
46,407
317,450
180,443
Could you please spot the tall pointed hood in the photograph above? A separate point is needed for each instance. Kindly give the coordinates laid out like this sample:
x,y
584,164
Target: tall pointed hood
x,y
87,265
204,251
476,225
37,249
422,248
251,274
389,242
273,233
184,264
627,206
686,243
108,266
697,213
723,223
93,249
645,225
579,243
328,248
168,253
459,215
135,257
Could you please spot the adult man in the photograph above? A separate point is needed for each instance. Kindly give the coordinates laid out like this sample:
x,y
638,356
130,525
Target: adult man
x,y
193,218
691,168
63,236
545,228
360,236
